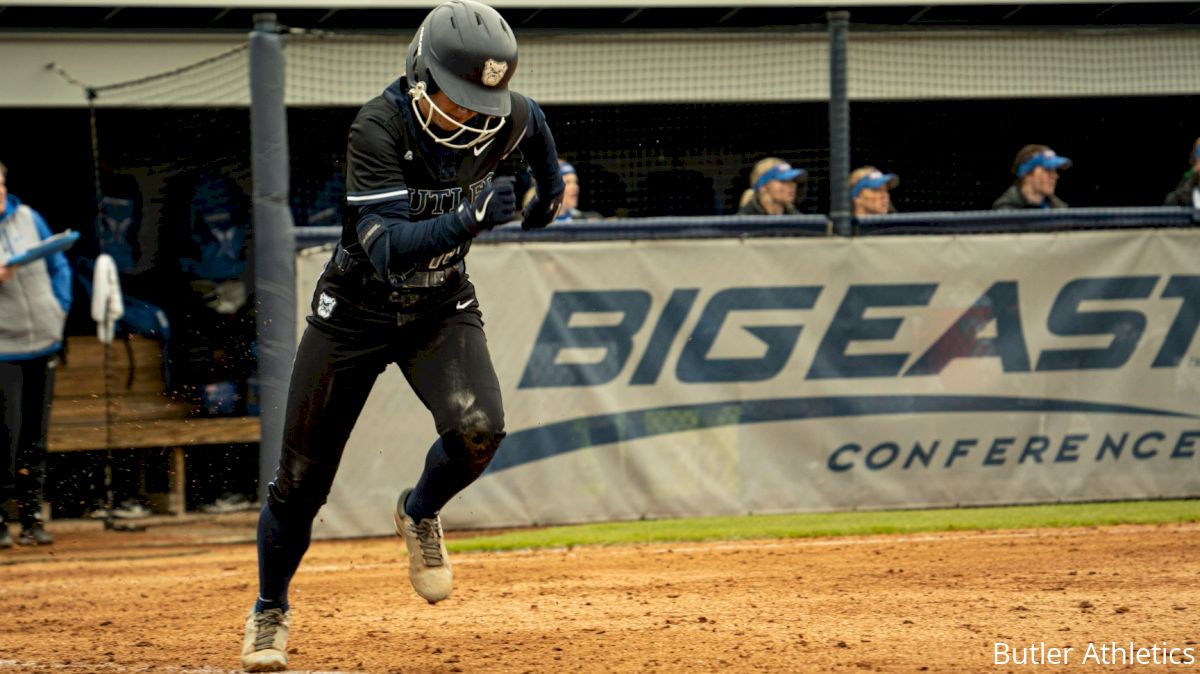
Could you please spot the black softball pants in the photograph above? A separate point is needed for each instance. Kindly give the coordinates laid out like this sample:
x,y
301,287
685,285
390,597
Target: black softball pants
x,y
26,390
441,349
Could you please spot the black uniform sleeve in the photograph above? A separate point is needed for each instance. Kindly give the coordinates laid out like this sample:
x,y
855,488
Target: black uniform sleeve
x,y
537,147
378,197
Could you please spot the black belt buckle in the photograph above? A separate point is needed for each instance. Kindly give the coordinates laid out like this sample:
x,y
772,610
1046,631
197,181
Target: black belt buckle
x,y
405,300
342,259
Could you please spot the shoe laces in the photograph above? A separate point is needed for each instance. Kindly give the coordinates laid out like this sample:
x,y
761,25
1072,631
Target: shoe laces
x,y
429,535
266,623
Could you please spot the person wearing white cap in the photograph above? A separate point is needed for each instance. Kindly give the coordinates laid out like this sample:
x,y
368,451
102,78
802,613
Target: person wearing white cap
x,y
869,189
774,183
1035,171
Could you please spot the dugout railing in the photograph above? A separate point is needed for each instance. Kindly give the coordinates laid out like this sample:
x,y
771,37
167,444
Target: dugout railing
x,y
749,226
968,222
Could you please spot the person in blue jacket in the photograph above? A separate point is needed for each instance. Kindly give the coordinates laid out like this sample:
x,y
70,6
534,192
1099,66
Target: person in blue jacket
x,y
34,301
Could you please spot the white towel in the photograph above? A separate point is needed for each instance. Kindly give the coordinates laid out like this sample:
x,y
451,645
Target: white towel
x,y
107,305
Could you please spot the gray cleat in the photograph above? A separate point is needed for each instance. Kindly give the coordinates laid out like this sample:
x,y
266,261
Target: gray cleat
x,y
428,563
264,649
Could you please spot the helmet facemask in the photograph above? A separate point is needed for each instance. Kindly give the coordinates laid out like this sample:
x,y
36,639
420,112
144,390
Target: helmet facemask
x,y
472,135
468,52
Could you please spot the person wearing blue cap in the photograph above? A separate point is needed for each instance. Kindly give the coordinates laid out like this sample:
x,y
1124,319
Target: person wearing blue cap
x,y
1035,171
774,183
569,209
869,191
1188,191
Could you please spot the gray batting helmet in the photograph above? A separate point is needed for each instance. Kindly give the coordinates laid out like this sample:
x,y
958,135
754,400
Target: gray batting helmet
x,y
469,51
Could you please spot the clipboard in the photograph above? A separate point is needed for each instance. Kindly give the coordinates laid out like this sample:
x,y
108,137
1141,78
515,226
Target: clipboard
x,y
54,244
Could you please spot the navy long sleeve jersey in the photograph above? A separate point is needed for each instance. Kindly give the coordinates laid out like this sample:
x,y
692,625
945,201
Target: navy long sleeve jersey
x,y
403,190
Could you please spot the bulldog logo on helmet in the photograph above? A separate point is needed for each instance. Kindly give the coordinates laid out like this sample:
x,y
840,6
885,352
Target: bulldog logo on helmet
x,y
493,72
466,51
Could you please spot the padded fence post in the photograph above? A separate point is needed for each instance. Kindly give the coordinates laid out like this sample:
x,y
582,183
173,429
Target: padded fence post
x,y
839,124
274,247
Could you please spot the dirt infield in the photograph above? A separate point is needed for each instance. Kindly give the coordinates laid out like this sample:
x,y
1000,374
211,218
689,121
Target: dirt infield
x,y
172,599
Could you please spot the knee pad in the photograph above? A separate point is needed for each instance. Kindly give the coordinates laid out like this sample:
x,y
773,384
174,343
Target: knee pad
x,y
476,444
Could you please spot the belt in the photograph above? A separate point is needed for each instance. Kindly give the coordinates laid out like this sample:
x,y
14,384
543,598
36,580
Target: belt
x,y
432,279
436,278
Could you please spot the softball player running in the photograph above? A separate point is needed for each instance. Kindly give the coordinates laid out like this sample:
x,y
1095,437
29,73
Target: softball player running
x,y
420,186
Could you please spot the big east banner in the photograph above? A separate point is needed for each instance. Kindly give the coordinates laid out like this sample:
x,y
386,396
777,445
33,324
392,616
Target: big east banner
x,y
704,377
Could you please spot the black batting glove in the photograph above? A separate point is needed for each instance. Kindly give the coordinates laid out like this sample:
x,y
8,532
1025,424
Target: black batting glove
x,y
541,212
495,205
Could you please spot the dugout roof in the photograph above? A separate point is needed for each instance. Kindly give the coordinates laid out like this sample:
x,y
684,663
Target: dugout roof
x,y
597,15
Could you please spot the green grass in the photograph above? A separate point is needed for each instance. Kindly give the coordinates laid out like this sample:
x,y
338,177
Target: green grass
x,y
836,524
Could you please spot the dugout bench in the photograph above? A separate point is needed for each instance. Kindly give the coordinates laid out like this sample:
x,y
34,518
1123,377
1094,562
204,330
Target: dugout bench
x,y
133,412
